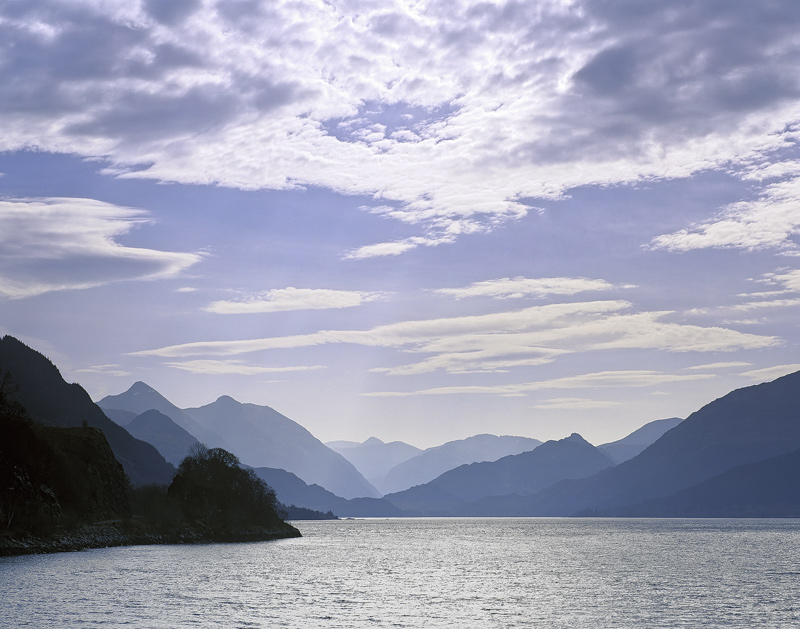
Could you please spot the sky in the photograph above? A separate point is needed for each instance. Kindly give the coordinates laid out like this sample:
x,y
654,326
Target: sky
x,y
415,220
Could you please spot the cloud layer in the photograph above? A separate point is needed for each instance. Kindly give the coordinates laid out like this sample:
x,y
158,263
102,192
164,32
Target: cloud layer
x,y
499,342
451,115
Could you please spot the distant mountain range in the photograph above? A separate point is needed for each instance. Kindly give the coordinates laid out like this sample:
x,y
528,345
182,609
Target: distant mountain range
x,y
628,447
292,490
374,458
458,491
259,435
433,462
737,456
746,426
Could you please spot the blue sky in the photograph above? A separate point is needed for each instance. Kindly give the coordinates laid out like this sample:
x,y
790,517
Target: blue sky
x,y
413,220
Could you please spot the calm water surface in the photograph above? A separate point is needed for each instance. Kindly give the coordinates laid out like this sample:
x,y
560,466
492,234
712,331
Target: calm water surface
x,y
429,573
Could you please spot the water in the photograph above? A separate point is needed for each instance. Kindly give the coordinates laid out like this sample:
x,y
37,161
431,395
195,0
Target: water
x,y
429,573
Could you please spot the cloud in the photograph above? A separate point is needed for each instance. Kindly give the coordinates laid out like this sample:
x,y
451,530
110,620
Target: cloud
x,y
284,299
768,303
502,341
788,281
518,287
789,278
575,403
596,380
713,366
435,110
770,221
770,373
63,243
223,367
108,370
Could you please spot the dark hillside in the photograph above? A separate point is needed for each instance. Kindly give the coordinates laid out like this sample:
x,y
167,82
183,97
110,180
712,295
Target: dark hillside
x,y
50,401
53,477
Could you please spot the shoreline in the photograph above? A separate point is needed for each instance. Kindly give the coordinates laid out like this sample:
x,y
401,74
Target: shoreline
x,y
128,533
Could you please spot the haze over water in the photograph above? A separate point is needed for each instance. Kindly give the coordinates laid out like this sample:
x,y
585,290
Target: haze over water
x,y
429,573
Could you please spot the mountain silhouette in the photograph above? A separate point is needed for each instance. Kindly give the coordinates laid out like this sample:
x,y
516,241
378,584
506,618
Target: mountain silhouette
x,y
262,437
435,461
628,447
374,458
172,441
50,401
292,490
458,491
745,426
765,489
141,397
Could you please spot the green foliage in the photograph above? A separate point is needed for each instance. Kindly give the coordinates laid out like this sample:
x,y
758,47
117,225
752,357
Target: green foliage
x,y
216,493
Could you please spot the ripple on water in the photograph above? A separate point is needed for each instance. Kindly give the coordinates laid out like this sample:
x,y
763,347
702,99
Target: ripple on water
x,y
429,573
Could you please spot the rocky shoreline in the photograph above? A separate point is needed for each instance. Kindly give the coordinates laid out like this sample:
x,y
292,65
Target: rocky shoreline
x,y
131,533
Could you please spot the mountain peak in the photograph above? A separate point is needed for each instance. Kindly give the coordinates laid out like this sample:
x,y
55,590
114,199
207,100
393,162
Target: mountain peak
x,y
227,400
373,441
140,387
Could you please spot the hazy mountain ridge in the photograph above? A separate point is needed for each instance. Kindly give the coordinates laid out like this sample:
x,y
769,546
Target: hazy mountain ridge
x,y
141,397
435,461
634,443
172,441
259,435
263,437
457,491
292,490
374,458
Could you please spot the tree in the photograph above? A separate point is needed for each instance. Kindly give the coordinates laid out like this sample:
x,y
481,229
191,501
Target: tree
x,y
215,492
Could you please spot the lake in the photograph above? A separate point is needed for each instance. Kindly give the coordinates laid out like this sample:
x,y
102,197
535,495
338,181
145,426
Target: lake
x,y
516,572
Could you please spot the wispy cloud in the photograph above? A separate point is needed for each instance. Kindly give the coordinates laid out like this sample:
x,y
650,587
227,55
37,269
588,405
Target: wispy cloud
x,y
222,367
770,373
597,380
63,243
767,303
284,299
714,366
502,341
575,403
518,287
108,370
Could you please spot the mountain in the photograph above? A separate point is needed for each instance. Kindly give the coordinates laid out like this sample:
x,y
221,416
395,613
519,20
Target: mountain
x,y
260,436
292,490
435,461
374,458
120,417
172,441
53,476
765,489
50,401
628,447
141,397
742,427
457,491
